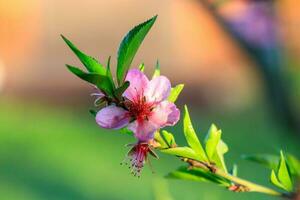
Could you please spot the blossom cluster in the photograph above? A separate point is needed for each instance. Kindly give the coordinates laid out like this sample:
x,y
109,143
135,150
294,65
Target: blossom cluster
x,y
130,101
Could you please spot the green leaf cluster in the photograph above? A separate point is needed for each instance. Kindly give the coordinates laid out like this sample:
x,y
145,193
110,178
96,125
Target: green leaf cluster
x,y
282,177
212,153
284,168
194,150
215,147
207,162
101,76
165,139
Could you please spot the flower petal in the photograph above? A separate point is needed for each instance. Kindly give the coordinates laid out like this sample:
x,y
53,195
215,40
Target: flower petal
x,y
112,117
138,83
143,130
165,114
158,89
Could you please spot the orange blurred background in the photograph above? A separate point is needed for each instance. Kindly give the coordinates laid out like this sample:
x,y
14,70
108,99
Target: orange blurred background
x,y
189,44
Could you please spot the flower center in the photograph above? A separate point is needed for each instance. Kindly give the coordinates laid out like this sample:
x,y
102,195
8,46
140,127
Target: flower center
x,y
140,109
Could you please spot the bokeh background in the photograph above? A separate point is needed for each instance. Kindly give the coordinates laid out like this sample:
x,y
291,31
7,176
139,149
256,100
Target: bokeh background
x,y
239,60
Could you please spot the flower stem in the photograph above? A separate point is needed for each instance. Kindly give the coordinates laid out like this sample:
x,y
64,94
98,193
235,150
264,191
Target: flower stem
x,y
252,187
246,185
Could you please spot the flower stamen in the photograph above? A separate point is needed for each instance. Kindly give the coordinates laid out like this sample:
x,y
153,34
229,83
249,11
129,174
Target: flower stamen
x,y
137,157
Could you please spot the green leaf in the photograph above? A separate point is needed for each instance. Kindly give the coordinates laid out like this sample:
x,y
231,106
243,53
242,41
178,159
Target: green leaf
x,y
158,138
109,74
234,170
215,147
142,67
102,82
197,174
165,139
185,176
157,70
275,180
175,91
119,91
283,174
129,46
218,157
212,140
270,161
91,64
168,138
191,136
294,165
184,152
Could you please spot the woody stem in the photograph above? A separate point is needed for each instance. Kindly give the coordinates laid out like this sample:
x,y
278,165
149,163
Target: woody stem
x,y
250,187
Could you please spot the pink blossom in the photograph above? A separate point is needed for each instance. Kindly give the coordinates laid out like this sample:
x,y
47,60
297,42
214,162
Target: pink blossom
x,y
145,110
146,107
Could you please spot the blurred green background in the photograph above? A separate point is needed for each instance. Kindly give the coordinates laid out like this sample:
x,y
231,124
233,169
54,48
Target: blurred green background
x,y
51,152
51,147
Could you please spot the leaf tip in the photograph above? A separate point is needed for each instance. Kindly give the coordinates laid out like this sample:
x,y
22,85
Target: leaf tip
x,y
64,38
154,18
186,108
282,154
213,127
181,85
69,67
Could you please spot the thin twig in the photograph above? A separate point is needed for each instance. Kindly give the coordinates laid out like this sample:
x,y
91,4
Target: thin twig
x,y
241,185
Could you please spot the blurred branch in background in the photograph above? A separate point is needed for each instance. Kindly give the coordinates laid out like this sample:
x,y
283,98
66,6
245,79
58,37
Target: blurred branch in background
x,y
255,30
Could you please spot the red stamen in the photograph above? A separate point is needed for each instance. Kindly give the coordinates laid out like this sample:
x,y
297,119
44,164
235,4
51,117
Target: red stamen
x,y
140,109
136,158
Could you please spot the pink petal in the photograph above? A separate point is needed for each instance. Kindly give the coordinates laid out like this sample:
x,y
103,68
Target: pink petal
x,y
112,117
143,130
165,114
138,83
158,89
